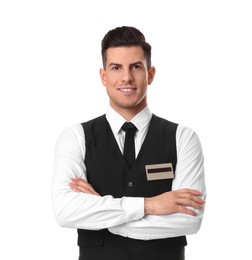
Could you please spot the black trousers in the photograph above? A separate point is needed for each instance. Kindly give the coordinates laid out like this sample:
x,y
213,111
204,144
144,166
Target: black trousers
x,y
120,248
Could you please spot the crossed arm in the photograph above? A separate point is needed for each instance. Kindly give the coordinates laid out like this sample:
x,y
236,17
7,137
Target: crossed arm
x,y
77,205
166,203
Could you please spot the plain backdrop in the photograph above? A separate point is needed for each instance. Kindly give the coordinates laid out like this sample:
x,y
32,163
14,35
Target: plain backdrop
x,y
49,79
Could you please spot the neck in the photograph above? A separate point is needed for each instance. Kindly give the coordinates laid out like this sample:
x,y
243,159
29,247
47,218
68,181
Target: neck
x,y
129,113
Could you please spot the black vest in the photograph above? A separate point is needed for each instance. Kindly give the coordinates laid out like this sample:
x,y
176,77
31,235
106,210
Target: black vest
x,y
109,174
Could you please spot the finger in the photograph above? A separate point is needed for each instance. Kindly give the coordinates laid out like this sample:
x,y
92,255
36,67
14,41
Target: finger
x,y
191,195
78,180
187,211
80,185
190,191
74,187
86,186
196,199
190,203
87,189
82,189
81,182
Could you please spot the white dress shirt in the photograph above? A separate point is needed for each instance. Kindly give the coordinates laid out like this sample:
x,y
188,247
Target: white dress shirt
x,y
124,216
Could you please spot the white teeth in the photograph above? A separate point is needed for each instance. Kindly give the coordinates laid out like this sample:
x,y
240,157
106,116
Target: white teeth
x,y
126,89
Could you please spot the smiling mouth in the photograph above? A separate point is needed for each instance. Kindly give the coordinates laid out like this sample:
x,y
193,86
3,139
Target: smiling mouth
x,y
127,90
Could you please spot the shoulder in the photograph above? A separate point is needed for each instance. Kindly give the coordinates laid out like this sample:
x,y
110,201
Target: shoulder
x,y
70,145
182,132
186,132
72,130
159,121
187,138
91,122
70,135
162,120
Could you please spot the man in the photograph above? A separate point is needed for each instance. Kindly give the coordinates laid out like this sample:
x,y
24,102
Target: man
x,y
132,200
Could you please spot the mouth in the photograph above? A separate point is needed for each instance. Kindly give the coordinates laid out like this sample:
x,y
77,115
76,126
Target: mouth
x,y
127,89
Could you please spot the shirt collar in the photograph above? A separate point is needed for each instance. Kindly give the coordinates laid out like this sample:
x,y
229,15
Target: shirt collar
x,y
141,120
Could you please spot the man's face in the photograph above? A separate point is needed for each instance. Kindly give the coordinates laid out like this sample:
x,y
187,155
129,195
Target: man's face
x,y
126,78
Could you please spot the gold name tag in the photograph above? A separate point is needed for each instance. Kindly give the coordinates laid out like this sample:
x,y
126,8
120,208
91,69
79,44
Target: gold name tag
x,y
159,171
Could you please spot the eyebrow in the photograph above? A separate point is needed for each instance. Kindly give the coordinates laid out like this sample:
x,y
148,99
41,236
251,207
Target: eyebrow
x,y
131,64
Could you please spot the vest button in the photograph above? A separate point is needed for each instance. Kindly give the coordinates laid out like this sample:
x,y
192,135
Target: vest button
x,y
130,184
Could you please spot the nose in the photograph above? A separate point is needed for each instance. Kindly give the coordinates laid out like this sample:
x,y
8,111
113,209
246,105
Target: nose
x,y
127,75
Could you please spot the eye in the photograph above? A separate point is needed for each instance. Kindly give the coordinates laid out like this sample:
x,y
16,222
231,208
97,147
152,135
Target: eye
x,y
115,67
136,67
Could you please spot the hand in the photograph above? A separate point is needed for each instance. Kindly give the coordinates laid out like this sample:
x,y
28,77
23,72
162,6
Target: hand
x,y
79,185
174,202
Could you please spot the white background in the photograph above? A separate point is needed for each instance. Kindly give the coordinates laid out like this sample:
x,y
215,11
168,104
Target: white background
x,y
49,63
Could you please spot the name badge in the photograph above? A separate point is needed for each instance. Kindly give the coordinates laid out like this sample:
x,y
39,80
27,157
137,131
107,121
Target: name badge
x,y
159,171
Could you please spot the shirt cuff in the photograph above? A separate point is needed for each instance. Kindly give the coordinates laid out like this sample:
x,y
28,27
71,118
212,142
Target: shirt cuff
x,y
134,208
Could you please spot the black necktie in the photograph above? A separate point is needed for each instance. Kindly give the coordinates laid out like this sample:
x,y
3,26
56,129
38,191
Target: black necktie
x,y
129,144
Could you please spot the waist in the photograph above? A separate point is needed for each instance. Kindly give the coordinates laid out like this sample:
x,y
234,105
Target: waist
x,y
93,238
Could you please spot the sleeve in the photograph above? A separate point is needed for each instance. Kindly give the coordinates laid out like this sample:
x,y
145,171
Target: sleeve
x,y
80,210
189,174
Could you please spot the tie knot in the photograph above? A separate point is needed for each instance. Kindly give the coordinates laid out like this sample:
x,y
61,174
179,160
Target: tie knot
x,y
128,126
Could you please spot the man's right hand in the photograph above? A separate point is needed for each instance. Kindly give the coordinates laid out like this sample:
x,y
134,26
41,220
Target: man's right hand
x,y
80,185
176,201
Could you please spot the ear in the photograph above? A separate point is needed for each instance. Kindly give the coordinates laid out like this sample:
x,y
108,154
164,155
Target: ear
x,y
151,74
103,76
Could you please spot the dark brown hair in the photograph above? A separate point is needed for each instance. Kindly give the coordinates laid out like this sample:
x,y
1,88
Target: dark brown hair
x,y
125,36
